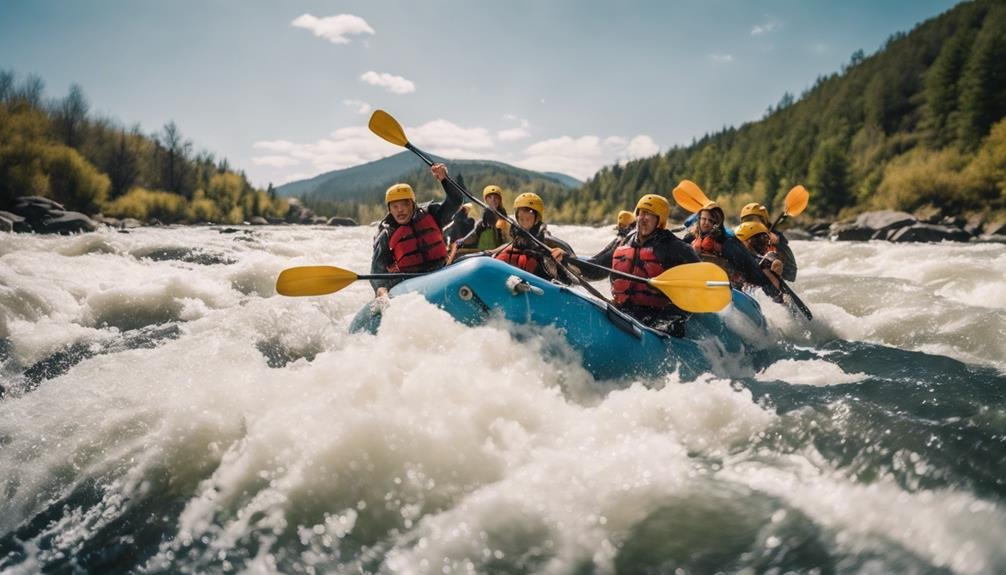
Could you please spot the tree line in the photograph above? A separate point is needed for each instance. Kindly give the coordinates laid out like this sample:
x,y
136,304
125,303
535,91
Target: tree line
x,y
93,164
920,123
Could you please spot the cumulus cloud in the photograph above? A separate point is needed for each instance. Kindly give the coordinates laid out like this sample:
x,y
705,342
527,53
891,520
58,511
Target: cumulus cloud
x,y
275,161
391,83
721,58
359,106
335,29
770,25
582,157
355,145
514,134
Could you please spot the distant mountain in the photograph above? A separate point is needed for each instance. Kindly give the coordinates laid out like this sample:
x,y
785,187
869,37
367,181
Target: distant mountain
x,y
367,182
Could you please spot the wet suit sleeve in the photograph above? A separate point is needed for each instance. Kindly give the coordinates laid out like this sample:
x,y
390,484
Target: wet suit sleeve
x,y
381,259
443,212
601,258
788,259
745,264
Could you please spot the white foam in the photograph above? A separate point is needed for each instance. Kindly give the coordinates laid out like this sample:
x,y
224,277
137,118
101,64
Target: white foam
x,y
815,372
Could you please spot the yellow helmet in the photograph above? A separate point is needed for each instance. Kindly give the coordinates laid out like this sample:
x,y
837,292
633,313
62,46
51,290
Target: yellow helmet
x,y
399,192
754,209
748,230
625,218
529,200
712,206
655,204
491,189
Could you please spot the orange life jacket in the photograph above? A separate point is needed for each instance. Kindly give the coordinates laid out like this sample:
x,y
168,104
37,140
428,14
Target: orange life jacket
x,y
710,250
417,245
642,262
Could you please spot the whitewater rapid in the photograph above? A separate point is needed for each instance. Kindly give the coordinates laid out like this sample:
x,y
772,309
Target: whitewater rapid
x,y
165,410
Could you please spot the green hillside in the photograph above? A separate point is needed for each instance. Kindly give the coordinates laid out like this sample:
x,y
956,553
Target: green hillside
x,y
358,192
918,123
58,149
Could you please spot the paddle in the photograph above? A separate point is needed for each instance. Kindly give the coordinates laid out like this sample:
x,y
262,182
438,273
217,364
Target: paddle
x,y
796,300
796,203
321,280
388,128
689,196
698,287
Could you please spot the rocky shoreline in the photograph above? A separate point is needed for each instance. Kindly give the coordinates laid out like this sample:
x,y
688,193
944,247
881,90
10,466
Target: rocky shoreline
x,y
35,214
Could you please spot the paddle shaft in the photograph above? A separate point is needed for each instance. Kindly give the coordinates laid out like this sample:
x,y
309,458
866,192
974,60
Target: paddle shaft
x,y
389,276
778,221
513,226
784,287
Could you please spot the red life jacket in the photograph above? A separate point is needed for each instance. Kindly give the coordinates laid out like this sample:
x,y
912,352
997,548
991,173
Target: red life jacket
x,y
642,262
417,245
517,257
710,250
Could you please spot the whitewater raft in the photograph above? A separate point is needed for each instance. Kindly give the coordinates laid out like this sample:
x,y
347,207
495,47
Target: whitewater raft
x,y
612,344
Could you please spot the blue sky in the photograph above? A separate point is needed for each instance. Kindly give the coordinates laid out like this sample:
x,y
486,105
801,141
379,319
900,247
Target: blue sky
x,y
284,89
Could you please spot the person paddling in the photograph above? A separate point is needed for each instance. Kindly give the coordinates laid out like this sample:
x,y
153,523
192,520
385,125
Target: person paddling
x,y
755,212
410,237
755,237
528,255
491,231
712,244
647,250
625,223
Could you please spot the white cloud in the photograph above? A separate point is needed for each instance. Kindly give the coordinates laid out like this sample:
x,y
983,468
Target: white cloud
x,y
360,106
721,58
355,145
447,139
770,25
333,28
275,161
582,157
275,145
391,83
514,134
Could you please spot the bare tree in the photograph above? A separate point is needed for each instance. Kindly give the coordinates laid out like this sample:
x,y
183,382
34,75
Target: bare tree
x,y
71,116
175,151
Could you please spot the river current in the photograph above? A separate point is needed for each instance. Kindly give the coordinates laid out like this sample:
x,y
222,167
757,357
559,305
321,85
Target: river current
x,y
165,411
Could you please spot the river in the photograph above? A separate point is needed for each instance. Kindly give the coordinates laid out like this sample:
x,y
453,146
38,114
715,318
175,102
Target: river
x,y
165,411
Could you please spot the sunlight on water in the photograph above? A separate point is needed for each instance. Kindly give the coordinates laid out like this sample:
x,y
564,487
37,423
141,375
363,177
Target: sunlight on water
x,y
166,411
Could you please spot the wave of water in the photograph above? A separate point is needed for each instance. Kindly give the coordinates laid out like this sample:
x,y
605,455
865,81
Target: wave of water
x,y
165,411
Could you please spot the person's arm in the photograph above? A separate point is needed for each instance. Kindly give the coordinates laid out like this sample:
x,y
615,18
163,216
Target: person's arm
x,y
444,211
601,258
788,259
380,261
745,264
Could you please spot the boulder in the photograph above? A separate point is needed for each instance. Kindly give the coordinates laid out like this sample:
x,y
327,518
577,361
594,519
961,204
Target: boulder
x,y
13,222
996,229
930,233
337,221
849,232
36,208
257,221
798,234
67,223
975,225
885,220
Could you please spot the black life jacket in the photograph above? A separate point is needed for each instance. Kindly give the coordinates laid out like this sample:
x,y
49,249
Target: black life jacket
x,y
418,245
642,262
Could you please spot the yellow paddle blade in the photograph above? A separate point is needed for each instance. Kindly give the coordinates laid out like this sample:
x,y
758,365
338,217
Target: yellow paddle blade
x,y
796,200
699,287
313,280
388,128
689,196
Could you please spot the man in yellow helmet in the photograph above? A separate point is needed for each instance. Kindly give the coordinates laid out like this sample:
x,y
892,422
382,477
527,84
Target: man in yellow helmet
x,y
755,237
527,254
625,223
646,251
755,212
410,238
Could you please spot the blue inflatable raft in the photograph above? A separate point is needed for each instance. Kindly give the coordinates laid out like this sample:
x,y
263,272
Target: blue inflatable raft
x,y
613,345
